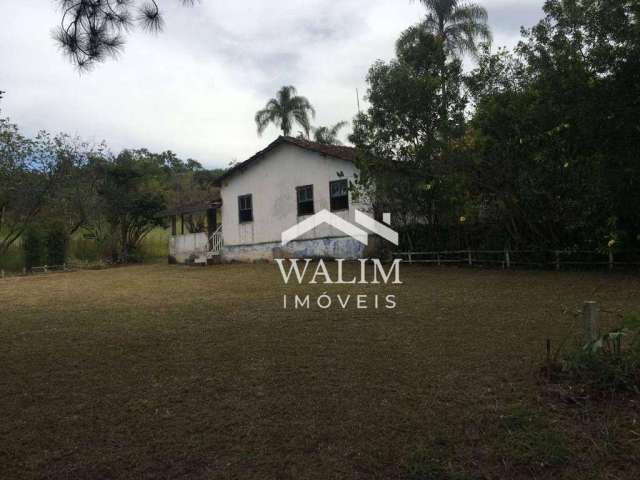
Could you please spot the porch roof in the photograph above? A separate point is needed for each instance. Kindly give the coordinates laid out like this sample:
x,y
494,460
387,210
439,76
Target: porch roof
x,y
193,207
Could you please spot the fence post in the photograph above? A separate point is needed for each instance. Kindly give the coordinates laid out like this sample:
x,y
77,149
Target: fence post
x,y
438,257
44,269
410,258
469,257
557,260
590,315
2,273
507,258
610,259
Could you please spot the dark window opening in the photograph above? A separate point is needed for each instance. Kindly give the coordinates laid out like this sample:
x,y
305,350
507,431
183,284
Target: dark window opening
x,y
339,191
245,208
305,200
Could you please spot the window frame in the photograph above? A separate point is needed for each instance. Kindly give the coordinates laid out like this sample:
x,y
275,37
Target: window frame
x,y
241,210
300,189
332,197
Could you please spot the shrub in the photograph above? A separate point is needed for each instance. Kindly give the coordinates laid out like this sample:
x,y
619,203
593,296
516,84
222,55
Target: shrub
x,y
57,244
611,363
33,245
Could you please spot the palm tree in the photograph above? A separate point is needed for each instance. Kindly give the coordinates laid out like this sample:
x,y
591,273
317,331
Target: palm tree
x,y
284,110
460,25
328,135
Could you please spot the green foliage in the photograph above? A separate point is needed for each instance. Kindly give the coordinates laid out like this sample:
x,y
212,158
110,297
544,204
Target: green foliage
x,y
328,135
431,464
611,363
132,190
285,110
34,246
459,25
57,242
528,440
407,162
554,138
547,156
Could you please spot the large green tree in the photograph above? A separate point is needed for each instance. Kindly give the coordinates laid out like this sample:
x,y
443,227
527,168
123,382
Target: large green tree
x,y
284,110
132,191
555,135
405,160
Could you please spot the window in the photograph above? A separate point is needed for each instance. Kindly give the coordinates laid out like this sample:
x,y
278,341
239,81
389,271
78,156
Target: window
x,y
339,191
245,208
305,200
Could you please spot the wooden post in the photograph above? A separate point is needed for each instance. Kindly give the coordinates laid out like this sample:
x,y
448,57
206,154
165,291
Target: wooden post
x,y
507,258
2,273
438,258
557,260
410,258
590,315
610,260
469,257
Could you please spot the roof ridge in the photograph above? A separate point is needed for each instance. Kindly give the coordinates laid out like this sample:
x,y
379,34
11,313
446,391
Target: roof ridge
x,y
341,152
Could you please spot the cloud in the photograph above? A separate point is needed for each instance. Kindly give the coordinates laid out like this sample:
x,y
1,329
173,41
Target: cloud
x,y
195,87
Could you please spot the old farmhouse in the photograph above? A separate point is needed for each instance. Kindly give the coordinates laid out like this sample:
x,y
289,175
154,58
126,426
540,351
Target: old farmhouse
x,y
277,188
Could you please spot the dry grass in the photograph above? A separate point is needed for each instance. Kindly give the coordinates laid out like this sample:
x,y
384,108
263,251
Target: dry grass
x,y
176,372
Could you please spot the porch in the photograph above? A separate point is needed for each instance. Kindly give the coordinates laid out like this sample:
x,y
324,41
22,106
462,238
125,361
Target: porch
x,y
196,233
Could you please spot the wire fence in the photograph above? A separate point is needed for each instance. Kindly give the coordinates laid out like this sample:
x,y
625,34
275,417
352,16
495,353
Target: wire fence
x,y
553,259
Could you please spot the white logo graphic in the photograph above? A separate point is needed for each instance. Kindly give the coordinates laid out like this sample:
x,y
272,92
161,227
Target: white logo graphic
x,y
348,228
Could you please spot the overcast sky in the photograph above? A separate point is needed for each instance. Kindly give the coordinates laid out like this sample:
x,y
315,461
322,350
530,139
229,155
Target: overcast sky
x,y
195,87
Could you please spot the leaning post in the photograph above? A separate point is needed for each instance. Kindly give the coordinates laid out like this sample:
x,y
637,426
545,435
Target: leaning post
x,y
590,317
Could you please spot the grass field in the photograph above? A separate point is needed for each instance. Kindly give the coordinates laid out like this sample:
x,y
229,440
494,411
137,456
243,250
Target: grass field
x,y
190,373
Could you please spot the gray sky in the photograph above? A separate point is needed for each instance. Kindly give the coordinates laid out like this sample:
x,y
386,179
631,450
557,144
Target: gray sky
x,y
195,87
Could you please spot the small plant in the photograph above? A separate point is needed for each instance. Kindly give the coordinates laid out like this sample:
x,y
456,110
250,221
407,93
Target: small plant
x,y
610,363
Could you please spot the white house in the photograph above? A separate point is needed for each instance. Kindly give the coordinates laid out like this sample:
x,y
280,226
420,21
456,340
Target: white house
x,y
275,189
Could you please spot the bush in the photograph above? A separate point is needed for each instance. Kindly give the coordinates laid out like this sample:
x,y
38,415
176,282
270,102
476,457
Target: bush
x,y
33,245
611,363
57,244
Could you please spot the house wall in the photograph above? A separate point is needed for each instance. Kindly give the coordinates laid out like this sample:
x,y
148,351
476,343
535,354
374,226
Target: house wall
x,y
183,248
329,247
272,182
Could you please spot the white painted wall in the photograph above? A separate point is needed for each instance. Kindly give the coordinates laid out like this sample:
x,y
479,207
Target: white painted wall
x,y
272,181
181,247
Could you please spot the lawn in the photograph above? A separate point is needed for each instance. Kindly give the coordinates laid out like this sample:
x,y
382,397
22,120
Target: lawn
x,y
190,373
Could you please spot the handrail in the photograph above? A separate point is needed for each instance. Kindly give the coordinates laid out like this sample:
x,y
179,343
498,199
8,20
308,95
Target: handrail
x,y
216,241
